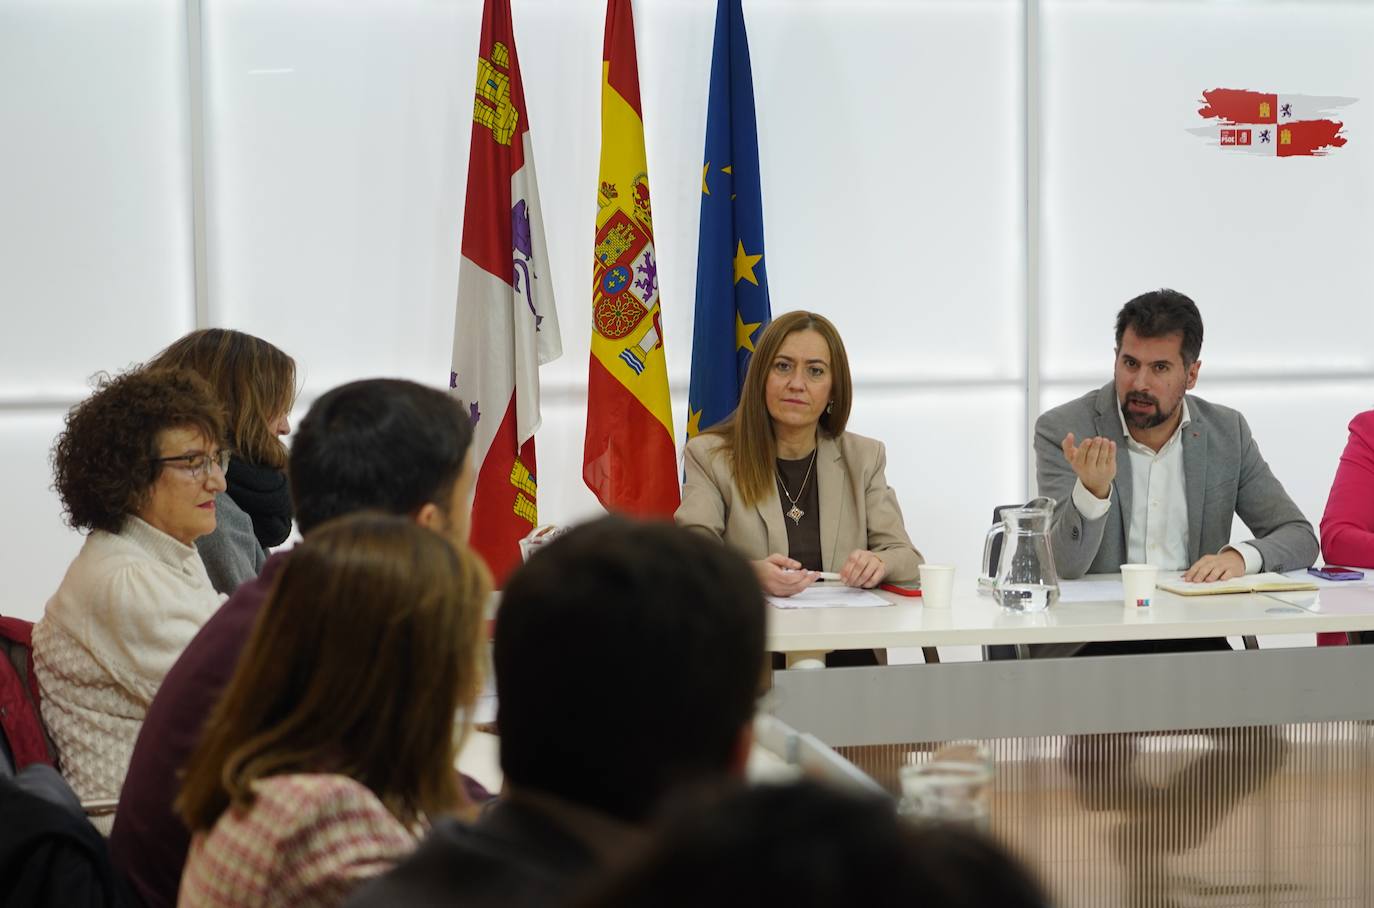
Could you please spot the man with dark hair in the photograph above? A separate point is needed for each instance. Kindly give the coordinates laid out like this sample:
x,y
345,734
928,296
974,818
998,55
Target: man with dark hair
x,y
1189,466
628,658
382,444
1158,478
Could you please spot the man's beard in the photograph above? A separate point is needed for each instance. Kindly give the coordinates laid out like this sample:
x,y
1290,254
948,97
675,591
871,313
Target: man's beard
x,y
1144,420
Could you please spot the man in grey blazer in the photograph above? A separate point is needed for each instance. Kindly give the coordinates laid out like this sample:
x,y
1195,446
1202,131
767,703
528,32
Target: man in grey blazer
x,y
1141,471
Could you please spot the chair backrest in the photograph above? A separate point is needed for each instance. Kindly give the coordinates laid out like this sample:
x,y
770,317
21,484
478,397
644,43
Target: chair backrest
x,y
26,740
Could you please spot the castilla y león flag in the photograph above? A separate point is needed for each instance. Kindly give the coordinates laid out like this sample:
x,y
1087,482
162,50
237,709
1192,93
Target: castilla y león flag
x,y
628,458
1260,123
506,325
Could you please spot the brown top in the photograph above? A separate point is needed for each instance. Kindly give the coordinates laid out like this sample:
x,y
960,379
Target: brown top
x,y
804,536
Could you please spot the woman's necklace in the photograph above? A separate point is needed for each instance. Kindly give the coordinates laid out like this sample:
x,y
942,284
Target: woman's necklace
x,y
795,512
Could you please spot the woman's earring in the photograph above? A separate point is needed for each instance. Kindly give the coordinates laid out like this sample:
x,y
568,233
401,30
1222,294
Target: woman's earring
x,y
830,407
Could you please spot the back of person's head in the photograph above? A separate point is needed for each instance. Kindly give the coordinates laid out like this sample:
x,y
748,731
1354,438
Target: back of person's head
x,y
628,659
368,645
806,844
383,443
255,381
1159,313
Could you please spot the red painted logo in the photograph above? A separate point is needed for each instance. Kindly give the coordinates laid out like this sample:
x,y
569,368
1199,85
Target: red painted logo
x,y
1275,125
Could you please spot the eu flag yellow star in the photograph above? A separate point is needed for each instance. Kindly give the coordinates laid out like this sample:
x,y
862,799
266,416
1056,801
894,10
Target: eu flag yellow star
x,y
704,188
693,422
744,333
744,265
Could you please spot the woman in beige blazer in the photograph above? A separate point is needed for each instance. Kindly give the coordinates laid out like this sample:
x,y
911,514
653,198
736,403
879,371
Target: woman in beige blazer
x,y
781,480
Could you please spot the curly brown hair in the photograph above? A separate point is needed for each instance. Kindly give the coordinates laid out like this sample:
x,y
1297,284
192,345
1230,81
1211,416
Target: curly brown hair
x,y
104,460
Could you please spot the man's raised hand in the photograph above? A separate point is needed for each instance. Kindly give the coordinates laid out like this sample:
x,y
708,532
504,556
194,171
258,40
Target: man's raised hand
x,y
1094,461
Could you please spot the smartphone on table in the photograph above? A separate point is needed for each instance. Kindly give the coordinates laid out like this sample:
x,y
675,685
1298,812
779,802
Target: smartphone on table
x,y
1331,572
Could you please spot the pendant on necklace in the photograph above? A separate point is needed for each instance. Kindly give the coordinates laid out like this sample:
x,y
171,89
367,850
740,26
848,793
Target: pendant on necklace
x,y
796,514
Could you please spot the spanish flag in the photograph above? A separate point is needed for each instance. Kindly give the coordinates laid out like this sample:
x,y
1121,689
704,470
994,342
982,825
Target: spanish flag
x,y
628,459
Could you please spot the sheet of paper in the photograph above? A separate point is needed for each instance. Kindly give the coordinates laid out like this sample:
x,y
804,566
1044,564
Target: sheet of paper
x,y
830,595
1091,591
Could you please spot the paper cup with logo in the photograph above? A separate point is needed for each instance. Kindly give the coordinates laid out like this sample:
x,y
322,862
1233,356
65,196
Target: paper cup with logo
x,y
937,585
1138,584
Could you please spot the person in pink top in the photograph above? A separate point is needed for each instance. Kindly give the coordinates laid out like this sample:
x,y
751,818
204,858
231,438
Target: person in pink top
x,y
1348,524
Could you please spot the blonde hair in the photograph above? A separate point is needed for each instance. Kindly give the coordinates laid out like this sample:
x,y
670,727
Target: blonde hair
x,y
748,432
254,380
366,649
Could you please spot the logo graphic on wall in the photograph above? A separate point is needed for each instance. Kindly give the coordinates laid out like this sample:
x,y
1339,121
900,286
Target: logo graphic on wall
x,y
1273,125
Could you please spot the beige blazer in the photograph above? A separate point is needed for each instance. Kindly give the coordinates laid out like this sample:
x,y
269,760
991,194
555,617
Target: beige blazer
x,y
858,509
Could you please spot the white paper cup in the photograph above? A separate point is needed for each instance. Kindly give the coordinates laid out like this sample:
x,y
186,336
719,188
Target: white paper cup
x,y
1138,584
937,585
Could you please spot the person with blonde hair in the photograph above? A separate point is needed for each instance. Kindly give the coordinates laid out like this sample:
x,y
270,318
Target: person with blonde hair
x,y
333,745
783,482
256,382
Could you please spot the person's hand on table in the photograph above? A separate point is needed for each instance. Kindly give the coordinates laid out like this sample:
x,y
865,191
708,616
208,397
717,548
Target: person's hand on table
x,y
863,569
1093,461
1221,566
782,576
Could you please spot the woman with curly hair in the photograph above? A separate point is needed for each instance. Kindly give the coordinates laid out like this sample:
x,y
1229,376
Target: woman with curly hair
x,y
334,742
138,467
256,382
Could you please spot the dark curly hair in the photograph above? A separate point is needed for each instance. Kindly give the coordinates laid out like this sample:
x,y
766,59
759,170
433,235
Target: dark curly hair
x,y
103,462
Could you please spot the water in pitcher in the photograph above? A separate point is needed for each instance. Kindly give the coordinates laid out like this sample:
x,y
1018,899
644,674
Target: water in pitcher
x,y
1025,578
1027,597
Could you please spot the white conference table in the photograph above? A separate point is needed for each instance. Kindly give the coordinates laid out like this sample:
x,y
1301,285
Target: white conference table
x,y
805,635
1056,696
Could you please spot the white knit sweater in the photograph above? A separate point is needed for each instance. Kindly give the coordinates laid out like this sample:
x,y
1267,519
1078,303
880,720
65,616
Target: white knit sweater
x,y
128,605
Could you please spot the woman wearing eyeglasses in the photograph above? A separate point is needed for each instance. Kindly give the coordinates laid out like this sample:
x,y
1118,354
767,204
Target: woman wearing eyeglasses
x,y
137,467
256,382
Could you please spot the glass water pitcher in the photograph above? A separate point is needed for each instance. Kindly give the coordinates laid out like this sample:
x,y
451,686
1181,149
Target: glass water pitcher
x,y
1025,578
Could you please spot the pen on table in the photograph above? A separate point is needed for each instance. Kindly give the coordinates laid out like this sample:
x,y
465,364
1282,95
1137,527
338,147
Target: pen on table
x,y
820,575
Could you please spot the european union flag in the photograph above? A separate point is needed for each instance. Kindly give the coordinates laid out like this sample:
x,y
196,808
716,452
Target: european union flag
x,y
732,283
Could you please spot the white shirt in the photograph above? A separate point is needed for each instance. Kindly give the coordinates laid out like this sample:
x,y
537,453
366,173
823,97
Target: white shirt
x,y
1157,529
127,607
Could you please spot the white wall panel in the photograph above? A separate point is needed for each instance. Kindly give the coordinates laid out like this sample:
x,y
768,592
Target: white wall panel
x,y
952,455
336,148
1274,251
95,192
891,138
39,547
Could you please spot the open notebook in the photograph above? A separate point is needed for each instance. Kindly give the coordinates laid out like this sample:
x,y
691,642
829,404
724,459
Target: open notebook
x,y
1267,582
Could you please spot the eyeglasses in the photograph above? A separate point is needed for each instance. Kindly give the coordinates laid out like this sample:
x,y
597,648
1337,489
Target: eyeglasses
x,y
197,466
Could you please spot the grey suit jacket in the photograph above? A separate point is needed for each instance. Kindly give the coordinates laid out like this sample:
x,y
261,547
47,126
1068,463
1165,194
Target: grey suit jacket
x,y
858,509
1223,476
